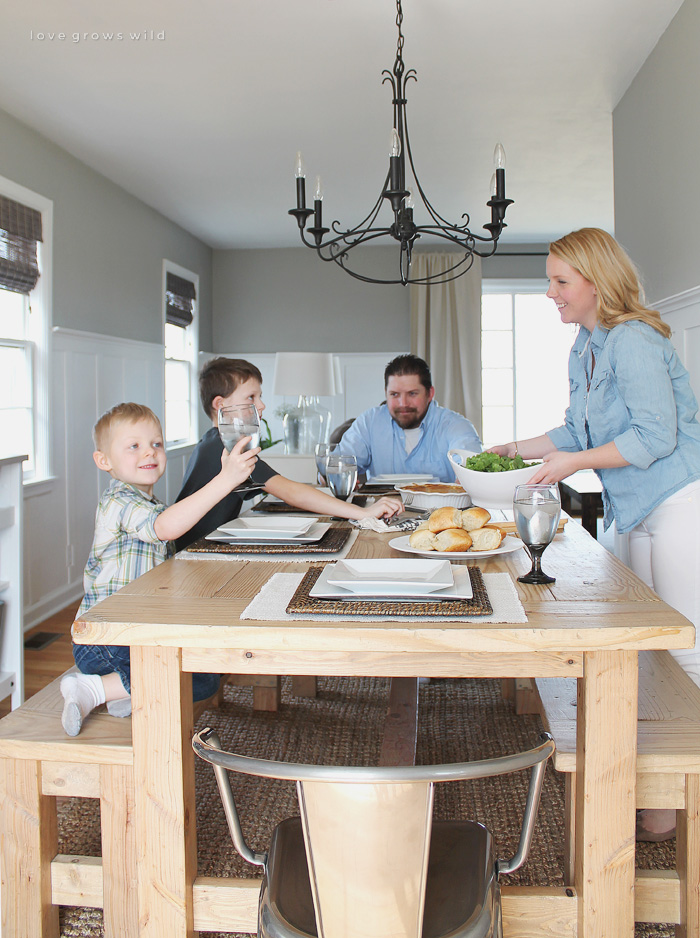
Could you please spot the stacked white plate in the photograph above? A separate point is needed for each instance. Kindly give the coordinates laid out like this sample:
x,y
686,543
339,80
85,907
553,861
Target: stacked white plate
x,y
399,478
289,529
407,580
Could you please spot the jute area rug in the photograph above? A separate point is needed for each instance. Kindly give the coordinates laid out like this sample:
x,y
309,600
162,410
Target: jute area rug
x,y
460,720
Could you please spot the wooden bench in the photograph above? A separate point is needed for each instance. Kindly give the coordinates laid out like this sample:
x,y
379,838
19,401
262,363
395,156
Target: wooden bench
x,y
668,776
39,763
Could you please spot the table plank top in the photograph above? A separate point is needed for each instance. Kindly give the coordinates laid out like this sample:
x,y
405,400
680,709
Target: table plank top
x,y
596,602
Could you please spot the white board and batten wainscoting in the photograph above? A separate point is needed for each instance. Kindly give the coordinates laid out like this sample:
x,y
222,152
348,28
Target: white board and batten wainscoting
x,y
89,374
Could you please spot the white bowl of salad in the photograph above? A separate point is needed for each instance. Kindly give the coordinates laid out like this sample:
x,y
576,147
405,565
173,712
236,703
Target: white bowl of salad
x,y
489,479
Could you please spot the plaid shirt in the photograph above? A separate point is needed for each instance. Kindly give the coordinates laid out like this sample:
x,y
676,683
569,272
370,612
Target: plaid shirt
x,y
125,543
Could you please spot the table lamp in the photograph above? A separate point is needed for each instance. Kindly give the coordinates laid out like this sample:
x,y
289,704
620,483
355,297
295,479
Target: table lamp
x,y
308,375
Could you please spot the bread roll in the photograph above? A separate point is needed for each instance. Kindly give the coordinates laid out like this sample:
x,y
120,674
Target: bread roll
x,y
453,539
422,539
423,526
473,518
487,538
445,518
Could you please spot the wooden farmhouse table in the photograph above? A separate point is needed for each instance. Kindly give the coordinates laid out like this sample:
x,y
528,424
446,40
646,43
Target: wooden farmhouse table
x,y
184,616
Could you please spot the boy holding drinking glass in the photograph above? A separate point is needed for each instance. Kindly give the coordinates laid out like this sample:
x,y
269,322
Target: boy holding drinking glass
x,y
226,382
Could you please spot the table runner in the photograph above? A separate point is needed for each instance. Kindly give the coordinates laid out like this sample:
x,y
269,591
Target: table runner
x,y
270,604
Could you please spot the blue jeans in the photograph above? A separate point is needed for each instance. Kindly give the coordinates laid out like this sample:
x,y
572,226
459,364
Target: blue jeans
x,y
106,659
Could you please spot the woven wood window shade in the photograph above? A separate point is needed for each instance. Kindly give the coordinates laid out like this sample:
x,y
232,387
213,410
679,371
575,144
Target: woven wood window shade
x,y
20,230
180,295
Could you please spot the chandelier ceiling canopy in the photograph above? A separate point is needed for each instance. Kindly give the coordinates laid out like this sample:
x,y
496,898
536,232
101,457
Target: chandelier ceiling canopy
x,y
404,194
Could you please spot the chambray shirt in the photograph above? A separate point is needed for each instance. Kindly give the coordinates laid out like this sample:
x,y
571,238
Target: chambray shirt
x,y
125,543
380,444
638,396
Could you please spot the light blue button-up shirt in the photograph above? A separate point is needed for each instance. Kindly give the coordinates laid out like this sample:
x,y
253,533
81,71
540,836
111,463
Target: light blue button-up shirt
x,y
638,396
380,444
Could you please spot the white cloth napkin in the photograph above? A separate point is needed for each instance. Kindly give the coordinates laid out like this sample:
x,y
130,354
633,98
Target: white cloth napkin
x,y
272,558
271,603
381,527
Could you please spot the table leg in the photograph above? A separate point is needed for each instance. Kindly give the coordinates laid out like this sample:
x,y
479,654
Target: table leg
x,y
606,794
164,785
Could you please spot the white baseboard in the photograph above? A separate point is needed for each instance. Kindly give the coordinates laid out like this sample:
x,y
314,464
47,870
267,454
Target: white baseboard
x,y
53,603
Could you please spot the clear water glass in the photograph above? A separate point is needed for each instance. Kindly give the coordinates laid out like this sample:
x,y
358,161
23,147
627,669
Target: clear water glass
x,y
341,472
237,421
536,511
321,453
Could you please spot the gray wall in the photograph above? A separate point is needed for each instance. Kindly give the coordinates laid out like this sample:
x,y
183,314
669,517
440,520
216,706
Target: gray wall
x,y
287,299
656,145
108,246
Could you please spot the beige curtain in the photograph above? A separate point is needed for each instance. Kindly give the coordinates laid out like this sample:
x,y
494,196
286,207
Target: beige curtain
x,y
446,332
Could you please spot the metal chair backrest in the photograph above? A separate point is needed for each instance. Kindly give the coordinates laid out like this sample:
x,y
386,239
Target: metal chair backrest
x,y
367,831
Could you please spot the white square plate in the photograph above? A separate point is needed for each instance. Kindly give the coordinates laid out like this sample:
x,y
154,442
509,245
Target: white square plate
x,y
400,478
264,528
314,534
389,577
460,589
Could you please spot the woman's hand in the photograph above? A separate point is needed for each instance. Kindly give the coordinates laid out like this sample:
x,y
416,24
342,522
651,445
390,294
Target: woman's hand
x,y
504,449
237,466
556,466
384,507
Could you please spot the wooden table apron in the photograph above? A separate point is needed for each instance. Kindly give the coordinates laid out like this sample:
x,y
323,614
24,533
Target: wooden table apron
x,y
183,616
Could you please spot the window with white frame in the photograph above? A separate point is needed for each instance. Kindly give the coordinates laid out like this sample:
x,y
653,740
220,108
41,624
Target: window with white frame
x,y
180,290
25,319
524,361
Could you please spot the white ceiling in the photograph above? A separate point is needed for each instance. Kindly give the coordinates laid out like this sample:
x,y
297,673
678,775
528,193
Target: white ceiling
x,y
204,124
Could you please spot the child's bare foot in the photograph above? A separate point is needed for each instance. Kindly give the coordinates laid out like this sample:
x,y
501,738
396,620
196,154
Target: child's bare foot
x,y
81,694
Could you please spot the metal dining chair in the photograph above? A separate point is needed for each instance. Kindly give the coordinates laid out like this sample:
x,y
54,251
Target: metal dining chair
x,y
366,859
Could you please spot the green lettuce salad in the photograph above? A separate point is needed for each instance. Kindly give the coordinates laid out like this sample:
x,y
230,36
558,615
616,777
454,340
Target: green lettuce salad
x,y
490,462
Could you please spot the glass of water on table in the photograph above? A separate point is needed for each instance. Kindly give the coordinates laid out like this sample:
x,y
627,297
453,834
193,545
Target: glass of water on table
x,y
536,510
237,421
321,452
341,473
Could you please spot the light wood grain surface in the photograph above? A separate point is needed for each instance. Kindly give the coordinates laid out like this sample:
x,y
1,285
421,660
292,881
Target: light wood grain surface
x,y
185,616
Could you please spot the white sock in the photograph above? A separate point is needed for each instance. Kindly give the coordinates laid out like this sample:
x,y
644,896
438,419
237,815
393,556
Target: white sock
x,y
121,707
81,694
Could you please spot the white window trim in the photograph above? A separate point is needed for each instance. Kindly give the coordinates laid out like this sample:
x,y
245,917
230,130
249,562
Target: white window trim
x,y
173,268
41,301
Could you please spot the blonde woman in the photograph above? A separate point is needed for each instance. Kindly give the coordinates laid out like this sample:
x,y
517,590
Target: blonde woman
x,y
632,417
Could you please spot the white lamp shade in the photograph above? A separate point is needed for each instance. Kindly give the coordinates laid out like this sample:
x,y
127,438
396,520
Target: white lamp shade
x,y
307,373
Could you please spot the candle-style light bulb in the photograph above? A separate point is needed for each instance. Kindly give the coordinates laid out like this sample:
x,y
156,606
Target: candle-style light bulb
x,y
493,184
408,201
394,143
299,168
318,194
499,157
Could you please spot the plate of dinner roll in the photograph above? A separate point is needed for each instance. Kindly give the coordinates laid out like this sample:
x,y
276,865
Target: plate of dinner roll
x,y
458,533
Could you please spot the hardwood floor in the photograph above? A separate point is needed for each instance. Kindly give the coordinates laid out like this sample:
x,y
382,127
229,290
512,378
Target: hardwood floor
x,y
43,665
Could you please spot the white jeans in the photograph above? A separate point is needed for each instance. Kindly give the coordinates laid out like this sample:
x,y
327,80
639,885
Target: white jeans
x,y
665,553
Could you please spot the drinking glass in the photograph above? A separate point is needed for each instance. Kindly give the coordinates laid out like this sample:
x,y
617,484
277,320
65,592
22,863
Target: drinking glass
x,y
536,510
341,472
322,451
235,422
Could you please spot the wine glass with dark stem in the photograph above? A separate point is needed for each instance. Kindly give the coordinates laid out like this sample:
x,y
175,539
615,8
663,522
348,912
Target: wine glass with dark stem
x,y
536,511
235,422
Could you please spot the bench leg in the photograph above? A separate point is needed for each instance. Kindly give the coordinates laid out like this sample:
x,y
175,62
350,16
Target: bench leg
x,y
121,915
268,696
304,685
29,844
688,859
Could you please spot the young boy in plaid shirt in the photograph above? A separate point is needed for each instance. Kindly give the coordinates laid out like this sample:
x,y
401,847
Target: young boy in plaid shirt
x,y
133,531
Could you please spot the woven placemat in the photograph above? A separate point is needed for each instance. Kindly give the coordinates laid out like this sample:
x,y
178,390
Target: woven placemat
x,y
332,541
478,605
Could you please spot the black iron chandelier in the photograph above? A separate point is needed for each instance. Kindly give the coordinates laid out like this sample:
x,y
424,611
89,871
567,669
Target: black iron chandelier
x,y
404,229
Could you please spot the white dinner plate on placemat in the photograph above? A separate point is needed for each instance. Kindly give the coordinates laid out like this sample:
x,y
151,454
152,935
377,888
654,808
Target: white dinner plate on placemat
x,y
461,588
262,528
314,534
401,478
508,546
384,577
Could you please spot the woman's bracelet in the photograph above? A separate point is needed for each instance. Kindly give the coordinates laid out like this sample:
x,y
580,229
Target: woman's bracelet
x,y
515,444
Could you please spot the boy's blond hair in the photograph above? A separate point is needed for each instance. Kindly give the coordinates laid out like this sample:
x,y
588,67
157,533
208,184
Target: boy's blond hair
x,y
123,413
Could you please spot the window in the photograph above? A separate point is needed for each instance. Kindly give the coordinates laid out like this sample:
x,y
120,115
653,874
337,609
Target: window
x,y
25,318
180,289
524,359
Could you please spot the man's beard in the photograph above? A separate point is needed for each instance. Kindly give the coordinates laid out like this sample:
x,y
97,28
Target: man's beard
x,y
409,421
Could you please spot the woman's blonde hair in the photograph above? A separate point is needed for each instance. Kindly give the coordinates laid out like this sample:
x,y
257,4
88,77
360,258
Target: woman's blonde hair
x,y
598,257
